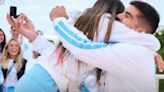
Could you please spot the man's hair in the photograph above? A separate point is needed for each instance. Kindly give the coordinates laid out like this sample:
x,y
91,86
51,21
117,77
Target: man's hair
x,y
148,13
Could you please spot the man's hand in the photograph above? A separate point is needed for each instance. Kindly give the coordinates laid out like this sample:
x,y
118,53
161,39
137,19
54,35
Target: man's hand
x,y
58,11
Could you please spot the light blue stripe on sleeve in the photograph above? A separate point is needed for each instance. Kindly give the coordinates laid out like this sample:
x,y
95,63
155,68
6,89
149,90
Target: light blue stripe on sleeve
x,y
84,44
69,31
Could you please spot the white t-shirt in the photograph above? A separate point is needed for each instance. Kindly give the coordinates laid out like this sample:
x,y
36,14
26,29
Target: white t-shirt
x,y
11,78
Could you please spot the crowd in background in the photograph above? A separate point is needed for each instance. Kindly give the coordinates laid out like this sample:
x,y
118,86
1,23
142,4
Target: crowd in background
x,y
16,58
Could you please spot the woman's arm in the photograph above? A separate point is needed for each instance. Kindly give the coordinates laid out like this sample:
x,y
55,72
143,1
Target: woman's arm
x,y
120,33
98,54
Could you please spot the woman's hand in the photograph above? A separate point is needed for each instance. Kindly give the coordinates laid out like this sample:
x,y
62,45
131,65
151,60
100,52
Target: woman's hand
x,y
23,26
58,11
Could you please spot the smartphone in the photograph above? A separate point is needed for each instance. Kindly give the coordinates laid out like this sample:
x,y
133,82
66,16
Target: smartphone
x,y
13,11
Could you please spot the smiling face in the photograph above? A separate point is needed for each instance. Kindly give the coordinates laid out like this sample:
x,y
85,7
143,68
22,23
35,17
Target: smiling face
x,y
13,48
1,37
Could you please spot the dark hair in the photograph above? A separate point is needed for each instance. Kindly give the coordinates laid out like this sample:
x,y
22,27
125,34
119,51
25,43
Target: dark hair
x,y
149,14
4,41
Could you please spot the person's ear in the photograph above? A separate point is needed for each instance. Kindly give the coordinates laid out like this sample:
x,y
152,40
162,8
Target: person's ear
x,y
141,29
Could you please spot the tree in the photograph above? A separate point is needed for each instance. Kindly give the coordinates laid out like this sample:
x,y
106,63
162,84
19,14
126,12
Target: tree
x,y
160,36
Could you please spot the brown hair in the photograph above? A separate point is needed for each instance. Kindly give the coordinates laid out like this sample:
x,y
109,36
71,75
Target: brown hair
x,y
88,23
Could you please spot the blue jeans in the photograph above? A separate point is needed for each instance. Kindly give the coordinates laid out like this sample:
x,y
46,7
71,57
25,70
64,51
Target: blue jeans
x,y
9,89
36,80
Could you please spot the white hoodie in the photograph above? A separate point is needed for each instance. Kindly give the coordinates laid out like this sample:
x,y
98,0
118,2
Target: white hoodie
x,y
129,65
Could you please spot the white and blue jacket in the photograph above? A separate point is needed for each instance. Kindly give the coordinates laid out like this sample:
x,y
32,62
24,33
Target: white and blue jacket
x,y
129,64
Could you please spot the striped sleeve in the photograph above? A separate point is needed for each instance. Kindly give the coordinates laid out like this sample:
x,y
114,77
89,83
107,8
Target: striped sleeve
x,y
92,53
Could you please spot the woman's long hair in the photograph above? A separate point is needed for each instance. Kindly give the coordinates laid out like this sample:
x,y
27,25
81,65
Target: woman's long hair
x,y
4,41
6,56
88,23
